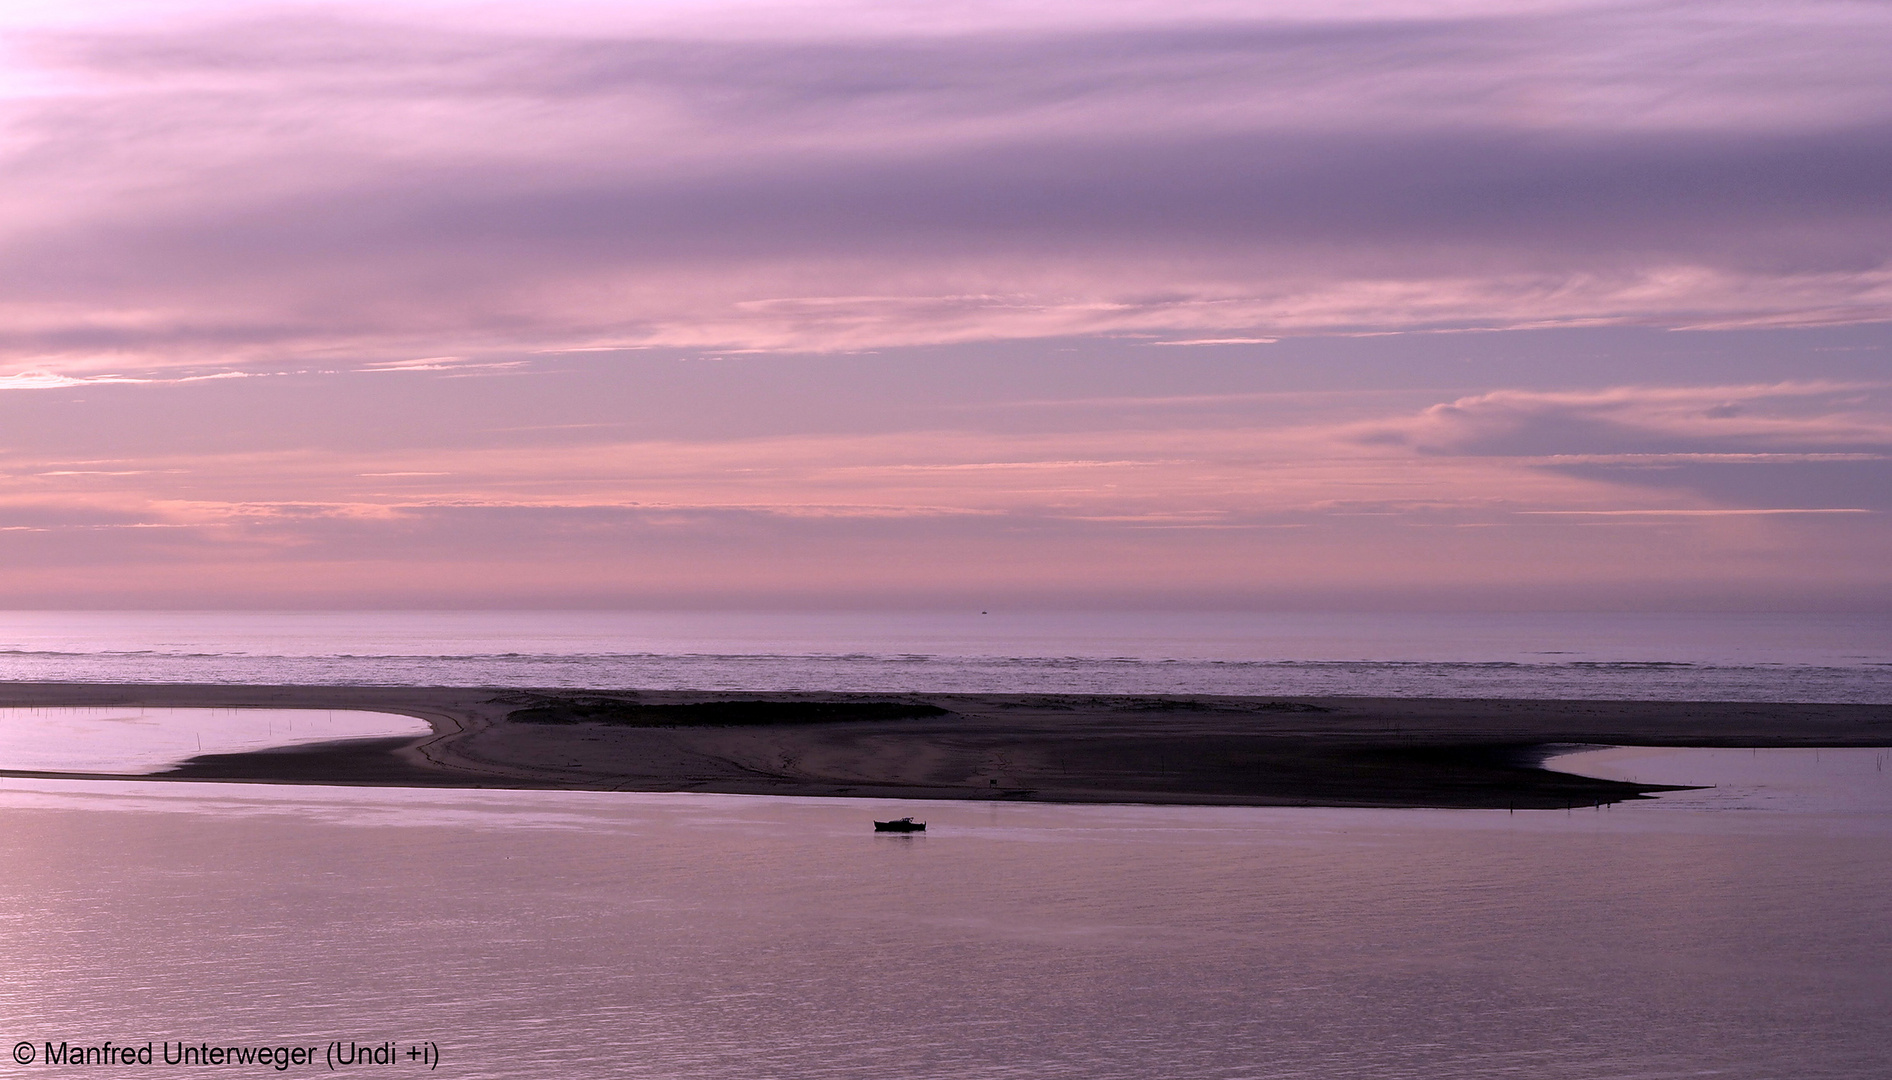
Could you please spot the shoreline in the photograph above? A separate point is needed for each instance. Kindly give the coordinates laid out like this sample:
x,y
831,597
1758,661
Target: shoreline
x,y
1066,748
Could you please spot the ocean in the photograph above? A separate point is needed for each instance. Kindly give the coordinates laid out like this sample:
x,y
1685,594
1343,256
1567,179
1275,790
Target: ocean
x,y
1702,657
1740,930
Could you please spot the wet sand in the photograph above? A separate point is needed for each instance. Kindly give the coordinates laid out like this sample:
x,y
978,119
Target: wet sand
x,y
1415,752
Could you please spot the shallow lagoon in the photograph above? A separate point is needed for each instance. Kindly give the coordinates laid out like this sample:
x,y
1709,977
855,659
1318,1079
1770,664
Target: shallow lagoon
x,y
541,933
135,740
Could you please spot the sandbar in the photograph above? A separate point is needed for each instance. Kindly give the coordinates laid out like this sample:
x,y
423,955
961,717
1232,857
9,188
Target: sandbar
x,y
1259,751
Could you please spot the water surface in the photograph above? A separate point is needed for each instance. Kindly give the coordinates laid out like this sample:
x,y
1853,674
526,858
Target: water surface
x,y
134,739
1853,780
573,933
1674,657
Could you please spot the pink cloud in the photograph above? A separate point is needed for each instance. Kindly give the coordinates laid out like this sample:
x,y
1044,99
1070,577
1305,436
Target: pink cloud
x,y
1185,196
242,186
904,516
1652,421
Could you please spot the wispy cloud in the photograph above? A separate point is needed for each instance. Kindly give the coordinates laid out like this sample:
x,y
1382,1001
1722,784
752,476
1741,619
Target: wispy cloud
x,y
1633,420
47,380
1745,512
1207,296
1221,341
450,366
237,190
1192,509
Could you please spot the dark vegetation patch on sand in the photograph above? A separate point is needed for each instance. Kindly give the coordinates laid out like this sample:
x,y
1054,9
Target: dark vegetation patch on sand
x,y
1051,748
544,709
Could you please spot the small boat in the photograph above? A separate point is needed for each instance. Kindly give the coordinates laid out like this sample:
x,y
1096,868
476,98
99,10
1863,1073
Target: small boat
x,y
905,824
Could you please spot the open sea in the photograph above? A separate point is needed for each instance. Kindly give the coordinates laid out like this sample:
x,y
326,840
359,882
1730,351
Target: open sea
x,y
1712,657
1740,930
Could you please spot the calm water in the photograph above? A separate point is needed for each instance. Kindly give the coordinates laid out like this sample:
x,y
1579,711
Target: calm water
x,y
535,934
1841,658
1799,780
137,740
1742,932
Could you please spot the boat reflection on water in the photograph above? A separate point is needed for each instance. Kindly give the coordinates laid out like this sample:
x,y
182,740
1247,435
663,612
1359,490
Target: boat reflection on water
x,y
905,824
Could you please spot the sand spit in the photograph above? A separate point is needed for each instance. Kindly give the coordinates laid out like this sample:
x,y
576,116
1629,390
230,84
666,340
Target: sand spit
x,y
1413,752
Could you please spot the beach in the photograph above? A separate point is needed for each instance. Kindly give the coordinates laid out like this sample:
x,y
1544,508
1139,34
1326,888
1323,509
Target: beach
x,y
1061,748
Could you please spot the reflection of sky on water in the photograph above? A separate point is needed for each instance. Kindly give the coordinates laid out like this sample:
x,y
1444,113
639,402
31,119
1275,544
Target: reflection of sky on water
x,y
1849,789
536,933
135,740
1857,780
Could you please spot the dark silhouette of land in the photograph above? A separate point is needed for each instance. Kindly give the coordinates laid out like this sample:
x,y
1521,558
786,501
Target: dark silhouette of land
x,y
1413,752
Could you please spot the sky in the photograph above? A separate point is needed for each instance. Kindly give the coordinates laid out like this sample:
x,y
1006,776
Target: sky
x,y
1126,304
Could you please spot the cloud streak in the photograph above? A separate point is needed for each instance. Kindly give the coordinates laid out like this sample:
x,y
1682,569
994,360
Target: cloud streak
x,y
1672,422
1481,495
864,299
342,186
47,380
